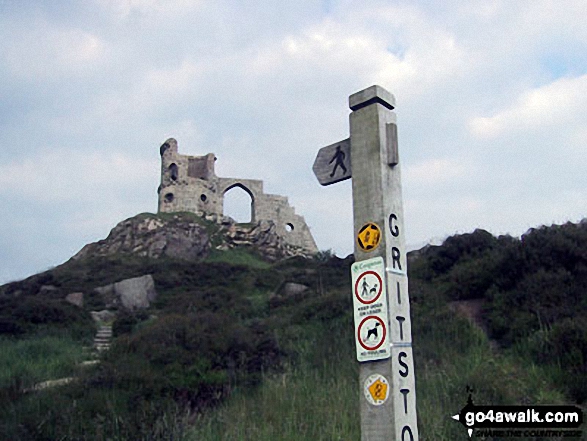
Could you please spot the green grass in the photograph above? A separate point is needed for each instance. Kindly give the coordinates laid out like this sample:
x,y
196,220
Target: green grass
x,y
218,325
316,397
24,363
237,257
295,405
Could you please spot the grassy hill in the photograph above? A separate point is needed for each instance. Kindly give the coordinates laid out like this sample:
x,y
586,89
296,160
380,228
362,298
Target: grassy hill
x,y
227,352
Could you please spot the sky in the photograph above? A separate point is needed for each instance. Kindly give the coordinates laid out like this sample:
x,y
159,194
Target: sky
x,y
491,107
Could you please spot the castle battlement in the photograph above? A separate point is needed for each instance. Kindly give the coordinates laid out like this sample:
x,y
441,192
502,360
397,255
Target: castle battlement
x,y
189,183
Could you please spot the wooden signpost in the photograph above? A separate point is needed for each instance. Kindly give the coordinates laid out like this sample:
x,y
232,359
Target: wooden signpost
x,y
383,333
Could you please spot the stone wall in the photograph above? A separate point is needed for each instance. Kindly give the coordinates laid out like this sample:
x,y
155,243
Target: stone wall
x,y
189,183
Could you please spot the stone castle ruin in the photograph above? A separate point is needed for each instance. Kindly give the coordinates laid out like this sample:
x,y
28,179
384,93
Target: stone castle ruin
x,y
188,183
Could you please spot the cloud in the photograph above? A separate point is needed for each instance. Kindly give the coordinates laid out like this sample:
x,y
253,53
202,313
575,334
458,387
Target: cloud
x,y
554,105
58,176
159,9
44,53
490,97
435,172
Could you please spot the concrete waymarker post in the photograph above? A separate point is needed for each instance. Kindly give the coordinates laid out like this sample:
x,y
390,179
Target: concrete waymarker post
x,y
383,333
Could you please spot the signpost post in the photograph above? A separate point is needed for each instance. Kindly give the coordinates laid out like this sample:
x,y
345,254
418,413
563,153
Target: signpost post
x,y
383,331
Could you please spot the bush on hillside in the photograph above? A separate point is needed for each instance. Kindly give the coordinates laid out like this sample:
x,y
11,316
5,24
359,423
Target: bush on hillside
x,y
564,345
196,358
458,248
35,314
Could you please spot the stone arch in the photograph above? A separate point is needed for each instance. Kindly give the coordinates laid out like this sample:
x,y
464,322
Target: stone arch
x,y
239,205
173,171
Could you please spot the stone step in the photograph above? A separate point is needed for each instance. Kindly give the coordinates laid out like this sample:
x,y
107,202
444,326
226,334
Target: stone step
x,y
103,338
102,342
51,383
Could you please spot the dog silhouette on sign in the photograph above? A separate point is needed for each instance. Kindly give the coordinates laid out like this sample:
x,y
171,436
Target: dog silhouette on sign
x,y
373,332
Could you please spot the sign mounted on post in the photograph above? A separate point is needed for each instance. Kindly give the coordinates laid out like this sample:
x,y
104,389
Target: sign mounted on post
x,y
333,163
381,304
376,389
370,310
369,236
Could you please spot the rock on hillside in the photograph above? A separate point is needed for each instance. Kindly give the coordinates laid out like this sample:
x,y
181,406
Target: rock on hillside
x,y
188,237
148,236
262,236
132,294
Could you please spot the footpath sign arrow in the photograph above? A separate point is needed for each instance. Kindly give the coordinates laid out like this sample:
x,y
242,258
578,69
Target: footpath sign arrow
x,y
333,163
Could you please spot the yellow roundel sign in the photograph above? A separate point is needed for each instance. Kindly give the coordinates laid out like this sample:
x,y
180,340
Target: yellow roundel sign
x,y
376,389
369,236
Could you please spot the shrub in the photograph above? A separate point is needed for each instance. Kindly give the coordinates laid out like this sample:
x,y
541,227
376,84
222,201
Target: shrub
x,y
196,357
35,314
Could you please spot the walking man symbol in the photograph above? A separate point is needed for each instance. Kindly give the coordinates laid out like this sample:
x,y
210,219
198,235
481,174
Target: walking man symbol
x,y
366,290
339,158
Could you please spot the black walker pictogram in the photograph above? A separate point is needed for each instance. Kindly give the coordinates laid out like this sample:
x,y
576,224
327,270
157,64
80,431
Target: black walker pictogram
x,y
339,158
366,290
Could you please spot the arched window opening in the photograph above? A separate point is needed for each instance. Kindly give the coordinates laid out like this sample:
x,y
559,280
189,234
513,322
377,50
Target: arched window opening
x,y
173,172
238,204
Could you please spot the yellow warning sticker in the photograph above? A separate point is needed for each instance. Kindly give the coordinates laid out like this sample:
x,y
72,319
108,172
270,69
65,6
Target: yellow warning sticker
x,y
369,236
376,389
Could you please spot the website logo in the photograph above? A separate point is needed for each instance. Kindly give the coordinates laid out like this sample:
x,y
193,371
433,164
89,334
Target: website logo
x,y
522,421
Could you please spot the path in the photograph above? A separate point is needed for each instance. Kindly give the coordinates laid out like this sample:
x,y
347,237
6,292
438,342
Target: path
x,y
102,342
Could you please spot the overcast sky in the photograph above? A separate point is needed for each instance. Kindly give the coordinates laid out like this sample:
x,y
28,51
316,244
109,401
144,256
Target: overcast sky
x,y
491,104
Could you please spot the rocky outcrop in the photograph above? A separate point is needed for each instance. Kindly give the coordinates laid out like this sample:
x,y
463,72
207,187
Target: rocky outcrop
x,y
186,237
291,289
103,316
75,298
178,237
131,294
261,236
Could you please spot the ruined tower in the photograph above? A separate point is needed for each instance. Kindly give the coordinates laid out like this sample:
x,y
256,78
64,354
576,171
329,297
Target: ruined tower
x,y
188,183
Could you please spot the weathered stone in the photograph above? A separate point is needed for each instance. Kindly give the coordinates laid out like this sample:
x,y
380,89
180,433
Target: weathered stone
x,y
180,237
152,237
75,298
136,293
292,288
189,183
108,295
103,316
262,237
47,289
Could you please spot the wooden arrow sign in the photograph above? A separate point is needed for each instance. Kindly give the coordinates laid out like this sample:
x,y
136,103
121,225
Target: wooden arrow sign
x,y
333,163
